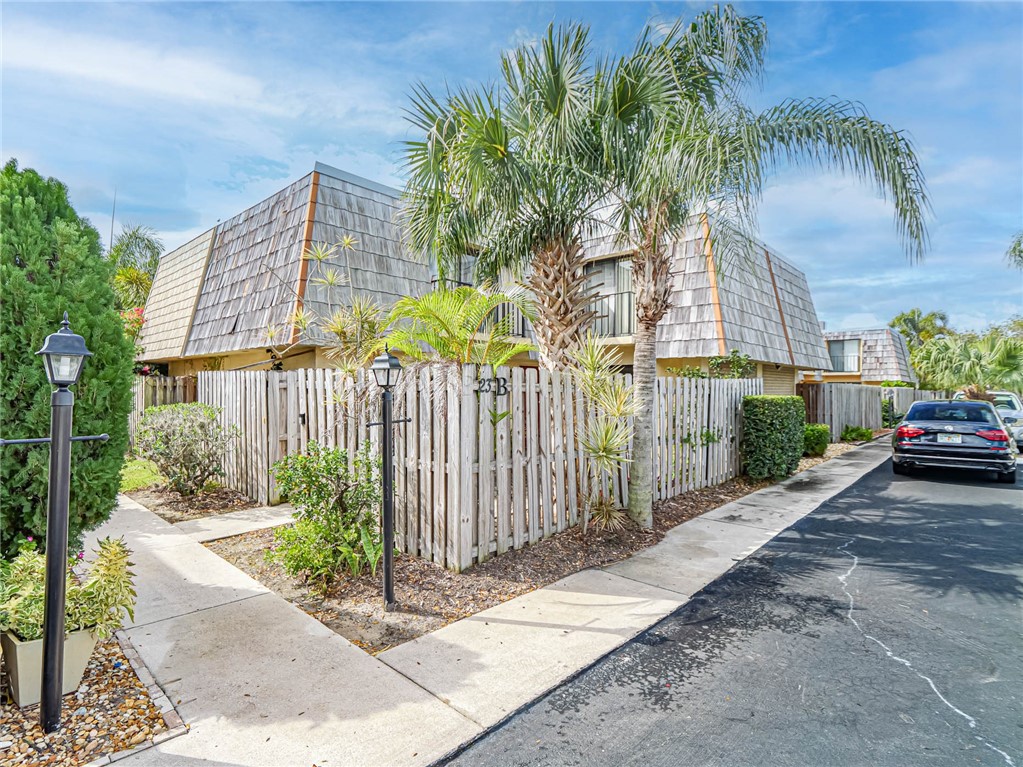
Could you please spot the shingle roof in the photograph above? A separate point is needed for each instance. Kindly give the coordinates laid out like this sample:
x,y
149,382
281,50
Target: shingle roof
x,y
884,355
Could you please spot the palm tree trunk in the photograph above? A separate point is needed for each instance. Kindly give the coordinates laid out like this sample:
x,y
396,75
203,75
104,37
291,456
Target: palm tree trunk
x,y
644,379
563,314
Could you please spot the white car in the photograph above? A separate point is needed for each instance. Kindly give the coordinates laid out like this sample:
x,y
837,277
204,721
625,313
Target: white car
x,y
1010,407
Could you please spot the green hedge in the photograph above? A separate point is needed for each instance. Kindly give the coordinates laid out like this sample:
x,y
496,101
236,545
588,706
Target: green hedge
x,y
816,437
772,441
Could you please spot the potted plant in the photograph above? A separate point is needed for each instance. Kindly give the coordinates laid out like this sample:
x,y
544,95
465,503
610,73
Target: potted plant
x,y
95,608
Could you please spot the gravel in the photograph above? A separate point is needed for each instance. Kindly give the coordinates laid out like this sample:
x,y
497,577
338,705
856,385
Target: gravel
x,y
110,712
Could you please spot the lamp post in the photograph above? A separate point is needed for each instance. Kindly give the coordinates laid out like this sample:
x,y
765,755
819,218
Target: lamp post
x,y
64,354
387,369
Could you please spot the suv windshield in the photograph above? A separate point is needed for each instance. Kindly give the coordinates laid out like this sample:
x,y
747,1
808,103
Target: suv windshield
x,y
974,412
1006,402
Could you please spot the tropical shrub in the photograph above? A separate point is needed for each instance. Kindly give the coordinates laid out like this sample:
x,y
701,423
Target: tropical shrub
x,y
734,365
50,262
99,603
186,442
604,437
816,437
857,434
773,435
890,417
687,371
338,525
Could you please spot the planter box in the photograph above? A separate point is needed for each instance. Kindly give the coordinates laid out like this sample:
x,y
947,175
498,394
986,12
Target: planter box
x,y
25,664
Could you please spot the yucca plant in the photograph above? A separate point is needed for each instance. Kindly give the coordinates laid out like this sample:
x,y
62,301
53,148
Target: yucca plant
x,y
461,325
606,435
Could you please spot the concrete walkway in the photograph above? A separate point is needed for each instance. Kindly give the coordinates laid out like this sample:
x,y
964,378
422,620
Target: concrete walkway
x,y
260,682
233,523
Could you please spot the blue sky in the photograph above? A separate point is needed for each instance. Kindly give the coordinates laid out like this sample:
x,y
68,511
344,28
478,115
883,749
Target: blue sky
x,y
196,111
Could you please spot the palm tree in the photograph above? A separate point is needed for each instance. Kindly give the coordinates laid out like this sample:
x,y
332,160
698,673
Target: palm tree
x,y
463,325
491,177
678,143
994,361
919,328
1014,255
135,253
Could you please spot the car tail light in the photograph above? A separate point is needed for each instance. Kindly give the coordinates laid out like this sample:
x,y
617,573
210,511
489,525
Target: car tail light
x,y
995,435
906,432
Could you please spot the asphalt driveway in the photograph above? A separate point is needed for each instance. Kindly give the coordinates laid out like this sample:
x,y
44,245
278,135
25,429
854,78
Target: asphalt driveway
x,y
886,628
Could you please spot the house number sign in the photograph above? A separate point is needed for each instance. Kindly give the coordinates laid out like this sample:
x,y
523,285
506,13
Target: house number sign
x,y
499,386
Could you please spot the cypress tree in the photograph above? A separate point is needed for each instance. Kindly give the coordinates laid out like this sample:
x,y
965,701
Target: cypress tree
x,y
51,262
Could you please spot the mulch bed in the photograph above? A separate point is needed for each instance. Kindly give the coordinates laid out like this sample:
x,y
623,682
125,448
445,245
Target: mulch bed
x,y
173,507
430,597
110,712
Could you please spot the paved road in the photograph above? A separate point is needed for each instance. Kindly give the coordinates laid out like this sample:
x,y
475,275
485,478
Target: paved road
x,y
886,628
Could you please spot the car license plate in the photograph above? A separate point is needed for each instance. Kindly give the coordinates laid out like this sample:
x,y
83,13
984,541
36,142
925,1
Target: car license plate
x,y
950,438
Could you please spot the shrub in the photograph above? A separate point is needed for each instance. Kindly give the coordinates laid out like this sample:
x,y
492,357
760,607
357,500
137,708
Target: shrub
x,y
186,443
338,523
98,603
816,437
50,262
856,434
890,417
772,441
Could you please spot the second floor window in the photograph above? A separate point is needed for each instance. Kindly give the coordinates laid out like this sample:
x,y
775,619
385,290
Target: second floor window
x,y
611,282
845,355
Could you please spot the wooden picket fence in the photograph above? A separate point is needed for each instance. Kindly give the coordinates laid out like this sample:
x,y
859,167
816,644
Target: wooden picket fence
x,y
839,405
488,461
150,391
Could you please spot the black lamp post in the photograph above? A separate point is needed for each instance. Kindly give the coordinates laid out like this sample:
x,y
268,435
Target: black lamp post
x,y
64,354
387,369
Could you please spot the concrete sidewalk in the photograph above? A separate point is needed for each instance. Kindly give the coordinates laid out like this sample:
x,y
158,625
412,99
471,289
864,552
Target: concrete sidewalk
x,y
260,682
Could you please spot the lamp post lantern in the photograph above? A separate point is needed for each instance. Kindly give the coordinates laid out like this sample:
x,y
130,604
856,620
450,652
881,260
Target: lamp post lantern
x,y
387,369
64,354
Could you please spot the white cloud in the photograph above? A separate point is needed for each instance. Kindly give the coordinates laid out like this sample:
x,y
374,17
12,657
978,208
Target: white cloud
x,y
182,75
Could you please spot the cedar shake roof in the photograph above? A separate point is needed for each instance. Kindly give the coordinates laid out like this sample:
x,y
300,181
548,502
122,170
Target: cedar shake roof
x,y
884,355
243,290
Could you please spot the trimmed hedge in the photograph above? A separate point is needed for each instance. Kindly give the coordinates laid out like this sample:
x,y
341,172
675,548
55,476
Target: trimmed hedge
x,y
816,437
772,441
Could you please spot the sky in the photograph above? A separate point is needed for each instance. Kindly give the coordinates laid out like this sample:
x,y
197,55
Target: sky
x,y
193,112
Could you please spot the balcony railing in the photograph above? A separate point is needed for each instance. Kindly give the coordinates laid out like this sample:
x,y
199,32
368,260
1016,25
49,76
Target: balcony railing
x,y
615,315
849,363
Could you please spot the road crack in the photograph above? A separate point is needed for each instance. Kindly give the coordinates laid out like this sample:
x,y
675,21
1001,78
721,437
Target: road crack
x,y
844,580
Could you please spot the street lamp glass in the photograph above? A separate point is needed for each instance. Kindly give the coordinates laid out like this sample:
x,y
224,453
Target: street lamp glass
x,y
386,369
64,353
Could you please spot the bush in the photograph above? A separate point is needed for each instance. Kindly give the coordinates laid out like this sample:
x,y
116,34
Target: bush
x,y
186,443
816,437
772,441
890,417
50,262
857,434
338,524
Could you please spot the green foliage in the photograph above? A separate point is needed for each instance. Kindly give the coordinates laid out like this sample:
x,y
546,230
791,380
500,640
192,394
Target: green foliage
x,y
919,328
186,442
338,525
992,361
50,262
463,325
734,365
890,417
139,473
857,434
773,435
816,437
687,371
1014,254
135,254
99,603
896,385
355,333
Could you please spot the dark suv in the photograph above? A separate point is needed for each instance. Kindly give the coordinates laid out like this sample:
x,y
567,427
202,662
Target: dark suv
x,y
960,434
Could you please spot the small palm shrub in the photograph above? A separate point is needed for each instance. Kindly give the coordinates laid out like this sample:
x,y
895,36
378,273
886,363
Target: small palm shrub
x,y
338,525
773,435
99,603
816,437
186,442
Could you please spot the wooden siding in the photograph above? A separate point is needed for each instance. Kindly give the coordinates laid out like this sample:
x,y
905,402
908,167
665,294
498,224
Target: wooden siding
x,y
689,329
780,382
470,484
249,287
172,300
884,355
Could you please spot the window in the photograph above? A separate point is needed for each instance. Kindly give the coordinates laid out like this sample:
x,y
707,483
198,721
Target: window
x,y
611,282
845,355
960,411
